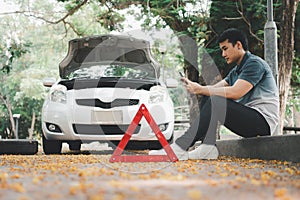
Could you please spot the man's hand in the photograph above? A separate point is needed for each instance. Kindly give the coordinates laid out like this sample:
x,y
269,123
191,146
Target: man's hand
x,y
190,86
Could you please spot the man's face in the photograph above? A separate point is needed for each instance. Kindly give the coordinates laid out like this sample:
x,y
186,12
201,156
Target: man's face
x,y
230,52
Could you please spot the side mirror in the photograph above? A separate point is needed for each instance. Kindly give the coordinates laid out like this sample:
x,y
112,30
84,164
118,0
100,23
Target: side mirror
x,y
48,82
171,83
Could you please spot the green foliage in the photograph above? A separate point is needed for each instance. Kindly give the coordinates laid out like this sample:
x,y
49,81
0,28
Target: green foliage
x,y
11,49
296,72
110,20
295,81
70,5
294,100
26,106
26,94
91,26
28,53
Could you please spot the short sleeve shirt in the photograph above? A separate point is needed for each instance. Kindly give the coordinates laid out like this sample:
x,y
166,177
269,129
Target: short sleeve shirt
x,y
264,95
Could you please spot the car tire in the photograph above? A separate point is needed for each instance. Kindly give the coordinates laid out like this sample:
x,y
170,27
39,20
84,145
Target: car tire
x,y
155,145
74,145
141,145
51,146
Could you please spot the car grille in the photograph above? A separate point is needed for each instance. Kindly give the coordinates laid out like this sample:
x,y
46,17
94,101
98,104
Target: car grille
x,y
107,105
97,129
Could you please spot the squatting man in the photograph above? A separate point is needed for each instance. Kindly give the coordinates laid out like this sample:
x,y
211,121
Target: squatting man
x,y
245,101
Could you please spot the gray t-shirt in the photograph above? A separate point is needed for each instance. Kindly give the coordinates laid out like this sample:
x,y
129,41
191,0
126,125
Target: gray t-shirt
x,y
264,95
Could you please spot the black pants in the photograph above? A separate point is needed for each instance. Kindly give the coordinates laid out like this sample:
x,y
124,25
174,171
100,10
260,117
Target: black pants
x,y
242,120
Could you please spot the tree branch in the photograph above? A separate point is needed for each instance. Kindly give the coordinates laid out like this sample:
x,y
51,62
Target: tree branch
x,y
232,18
69,13
246,20
72,27
10,114
243,17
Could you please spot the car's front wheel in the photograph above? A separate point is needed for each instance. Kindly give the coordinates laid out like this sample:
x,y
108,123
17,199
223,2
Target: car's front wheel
x,y
141,145
51,146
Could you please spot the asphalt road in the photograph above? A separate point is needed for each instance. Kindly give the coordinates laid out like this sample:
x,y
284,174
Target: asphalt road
x,y
88,175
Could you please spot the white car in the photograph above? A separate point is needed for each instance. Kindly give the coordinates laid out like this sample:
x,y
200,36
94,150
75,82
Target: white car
x,y
103,82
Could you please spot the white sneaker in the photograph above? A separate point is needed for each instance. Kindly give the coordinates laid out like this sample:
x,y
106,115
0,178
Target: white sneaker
x,y
204,152
179,152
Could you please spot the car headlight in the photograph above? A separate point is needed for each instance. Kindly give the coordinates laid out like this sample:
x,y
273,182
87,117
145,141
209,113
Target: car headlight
x,y
157,96
58,94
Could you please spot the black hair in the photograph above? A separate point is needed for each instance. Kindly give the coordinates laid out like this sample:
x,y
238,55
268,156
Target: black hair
x,y
233,35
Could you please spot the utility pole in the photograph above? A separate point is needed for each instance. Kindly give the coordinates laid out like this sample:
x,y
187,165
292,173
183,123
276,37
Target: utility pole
x,y
270,41
17,117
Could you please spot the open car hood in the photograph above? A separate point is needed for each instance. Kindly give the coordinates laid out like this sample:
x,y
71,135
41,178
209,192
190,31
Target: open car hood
x,y
108,49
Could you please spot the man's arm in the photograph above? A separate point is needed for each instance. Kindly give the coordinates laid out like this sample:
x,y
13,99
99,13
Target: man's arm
x,y
238,90
221,83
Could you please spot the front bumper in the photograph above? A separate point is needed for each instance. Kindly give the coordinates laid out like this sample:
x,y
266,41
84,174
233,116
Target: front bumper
x,y
80,125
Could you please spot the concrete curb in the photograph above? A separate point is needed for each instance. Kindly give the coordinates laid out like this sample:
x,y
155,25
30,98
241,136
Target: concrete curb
x,y
283,148
18,146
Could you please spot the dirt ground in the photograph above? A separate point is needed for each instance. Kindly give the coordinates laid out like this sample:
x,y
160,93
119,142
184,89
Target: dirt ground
x,y
88,175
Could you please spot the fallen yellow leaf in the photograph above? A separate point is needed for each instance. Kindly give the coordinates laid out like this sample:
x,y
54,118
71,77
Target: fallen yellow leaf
x,y
194,194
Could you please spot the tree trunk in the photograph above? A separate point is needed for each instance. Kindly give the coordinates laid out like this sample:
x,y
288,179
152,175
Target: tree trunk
x,y
296,116
10,114
190,52
286,54
31,129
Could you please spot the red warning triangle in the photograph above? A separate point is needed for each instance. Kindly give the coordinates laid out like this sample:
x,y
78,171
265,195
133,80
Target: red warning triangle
x,y
117,157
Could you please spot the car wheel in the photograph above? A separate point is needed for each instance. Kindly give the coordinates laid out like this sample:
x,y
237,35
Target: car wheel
x,y
74,145
155,145
51,146
140,145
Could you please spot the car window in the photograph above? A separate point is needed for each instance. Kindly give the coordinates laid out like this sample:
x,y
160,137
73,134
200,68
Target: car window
x,y
100,54
122,71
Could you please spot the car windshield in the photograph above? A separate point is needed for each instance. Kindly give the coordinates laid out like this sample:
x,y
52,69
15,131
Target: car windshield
x,y
114,70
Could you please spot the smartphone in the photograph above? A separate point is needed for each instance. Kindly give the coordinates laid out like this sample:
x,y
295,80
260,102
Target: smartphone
x,y
181,74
